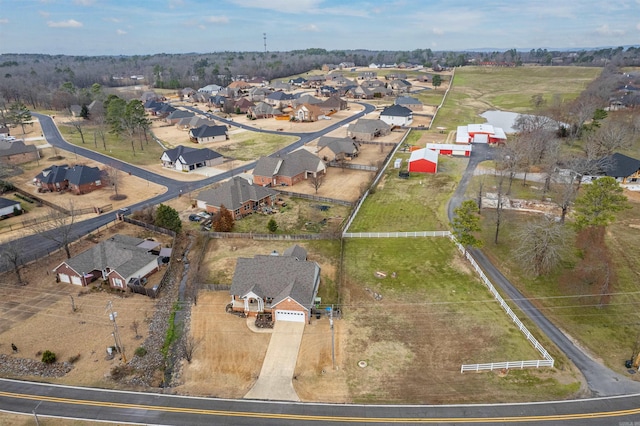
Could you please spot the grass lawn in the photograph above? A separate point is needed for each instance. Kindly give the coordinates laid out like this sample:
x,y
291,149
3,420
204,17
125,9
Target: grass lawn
x,y
430,97
117,147
609,331
249,145
414,204
432,317
300,216
478,89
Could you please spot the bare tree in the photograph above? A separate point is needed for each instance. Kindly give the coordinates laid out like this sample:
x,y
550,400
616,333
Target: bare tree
x,y
610,137
542,245
189,346
500,175
113,173
316,181
58,227
79,126
11,254
134,326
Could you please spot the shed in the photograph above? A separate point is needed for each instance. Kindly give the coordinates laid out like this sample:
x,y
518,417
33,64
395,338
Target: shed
x,y
462,150
423,161
397,163
8,207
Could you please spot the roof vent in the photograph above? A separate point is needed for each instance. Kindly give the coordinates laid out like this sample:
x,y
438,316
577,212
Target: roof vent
x,y
275,253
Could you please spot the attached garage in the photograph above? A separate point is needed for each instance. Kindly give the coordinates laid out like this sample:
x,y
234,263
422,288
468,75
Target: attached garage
x,y
64,278
294,316
76,280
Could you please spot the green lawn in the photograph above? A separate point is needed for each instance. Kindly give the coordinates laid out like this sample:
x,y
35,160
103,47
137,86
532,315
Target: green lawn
x,y
414,204
146,152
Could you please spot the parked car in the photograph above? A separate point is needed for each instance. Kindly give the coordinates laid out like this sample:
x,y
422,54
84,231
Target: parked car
x,y
195,218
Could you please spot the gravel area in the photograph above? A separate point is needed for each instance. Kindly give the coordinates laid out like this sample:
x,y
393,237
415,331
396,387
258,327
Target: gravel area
x,y
13,366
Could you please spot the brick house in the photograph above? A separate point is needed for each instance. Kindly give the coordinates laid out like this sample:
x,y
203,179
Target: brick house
x,y
238,196
16,152
288,169
283,286
77,179
366,130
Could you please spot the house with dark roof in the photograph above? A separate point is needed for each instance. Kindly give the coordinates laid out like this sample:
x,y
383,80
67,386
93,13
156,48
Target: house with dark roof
x,y
332,104
366,129
408,102
177,115
288,169
193,122
119,260
242,105
239,196
186,159
400,85
263,110
208,134
8,207
397,115
78,179
283,286
17,152
336,149
622,168
279,99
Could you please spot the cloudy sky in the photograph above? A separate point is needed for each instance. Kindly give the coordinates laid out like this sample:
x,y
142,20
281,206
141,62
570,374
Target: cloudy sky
x,y
112,27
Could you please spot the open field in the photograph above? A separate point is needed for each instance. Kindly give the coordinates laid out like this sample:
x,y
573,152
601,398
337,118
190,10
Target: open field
x,y
414,204
478,89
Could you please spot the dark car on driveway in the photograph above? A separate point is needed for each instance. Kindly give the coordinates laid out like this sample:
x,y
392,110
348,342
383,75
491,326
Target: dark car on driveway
x,y
195,218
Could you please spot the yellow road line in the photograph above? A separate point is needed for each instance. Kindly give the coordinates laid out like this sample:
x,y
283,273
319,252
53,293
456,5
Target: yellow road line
x,y
248,414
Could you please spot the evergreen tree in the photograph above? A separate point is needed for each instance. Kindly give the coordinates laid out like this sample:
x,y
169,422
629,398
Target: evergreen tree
x,y
465,222
168,218
599,203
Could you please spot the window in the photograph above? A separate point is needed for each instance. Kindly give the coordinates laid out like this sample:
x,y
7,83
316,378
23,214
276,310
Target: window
x,y
98,182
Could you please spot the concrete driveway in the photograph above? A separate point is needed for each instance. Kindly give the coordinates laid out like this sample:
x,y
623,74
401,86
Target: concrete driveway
x,y
274,382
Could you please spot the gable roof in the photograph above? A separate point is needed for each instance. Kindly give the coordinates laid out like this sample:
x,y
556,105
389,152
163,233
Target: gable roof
x,y
276,277
407,100
367,125
208,131
195,121
620,166
120,253
189,155
4,202
76,175
296,251
280,96
263,108
178,114
288,165
15,147
396,111
338,145
234,193
424,154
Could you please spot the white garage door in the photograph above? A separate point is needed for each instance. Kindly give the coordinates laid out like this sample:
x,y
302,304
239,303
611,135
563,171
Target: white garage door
x,y
459,153
76,280
295,316
64,278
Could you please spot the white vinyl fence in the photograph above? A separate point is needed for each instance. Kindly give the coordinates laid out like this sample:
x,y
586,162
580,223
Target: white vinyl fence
x,y
396,234
547,360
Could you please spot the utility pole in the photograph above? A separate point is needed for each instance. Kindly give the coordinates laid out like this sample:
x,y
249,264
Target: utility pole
x,y
333,346
264,37
116,335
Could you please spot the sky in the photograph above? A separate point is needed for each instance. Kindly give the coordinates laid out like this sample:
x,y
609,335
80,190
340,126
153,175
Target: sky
x,y
130,27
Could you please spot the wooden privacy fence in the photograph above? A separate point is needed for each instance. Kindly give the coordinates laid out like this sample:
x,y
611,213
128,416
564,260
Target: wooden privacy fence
x,y
314,197
547,360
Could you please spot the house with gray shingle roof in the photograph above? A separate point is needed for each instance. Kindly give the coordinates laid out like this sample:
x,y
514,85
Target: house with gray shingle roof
x,y
17,152
283,286
397,115
8,207
407,101
366,129
118,260
279,99
193,122
263,110
78,179
288,169
207,134
177,115
238,196
186,159
336,149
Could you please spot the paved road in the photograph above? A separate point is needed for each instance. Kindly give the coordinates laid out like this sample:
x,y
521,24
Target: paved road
x,y
274,382
146,408
601,380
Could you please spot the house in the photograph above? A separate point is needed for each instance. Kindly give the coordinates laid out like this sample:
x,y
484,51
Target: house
x,y
366,130
480,133
242,105
306,99
327,91
185,159
257,94
239,196
216,101
211,89
16,152
307,112
78,179
397,115
239,85
336,149
207,134
298,81
279,99
177,115
76,110
332,104
423,161
193,122
288,169
119,260
400,85
283,286
8,207
263,110
463,150
282,86
360,92
623,168
368,75
408,102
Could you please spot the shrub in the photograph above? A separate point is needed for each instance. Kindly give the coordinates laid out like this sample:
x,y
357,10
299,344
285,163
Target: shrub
x,y
74,359
121,371
140,351
48,357
272,226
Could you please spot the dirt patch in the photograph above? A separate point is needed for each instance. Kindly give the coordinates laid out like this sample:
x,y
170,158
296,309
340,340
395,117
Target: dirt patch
x,y
340,184
27,312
